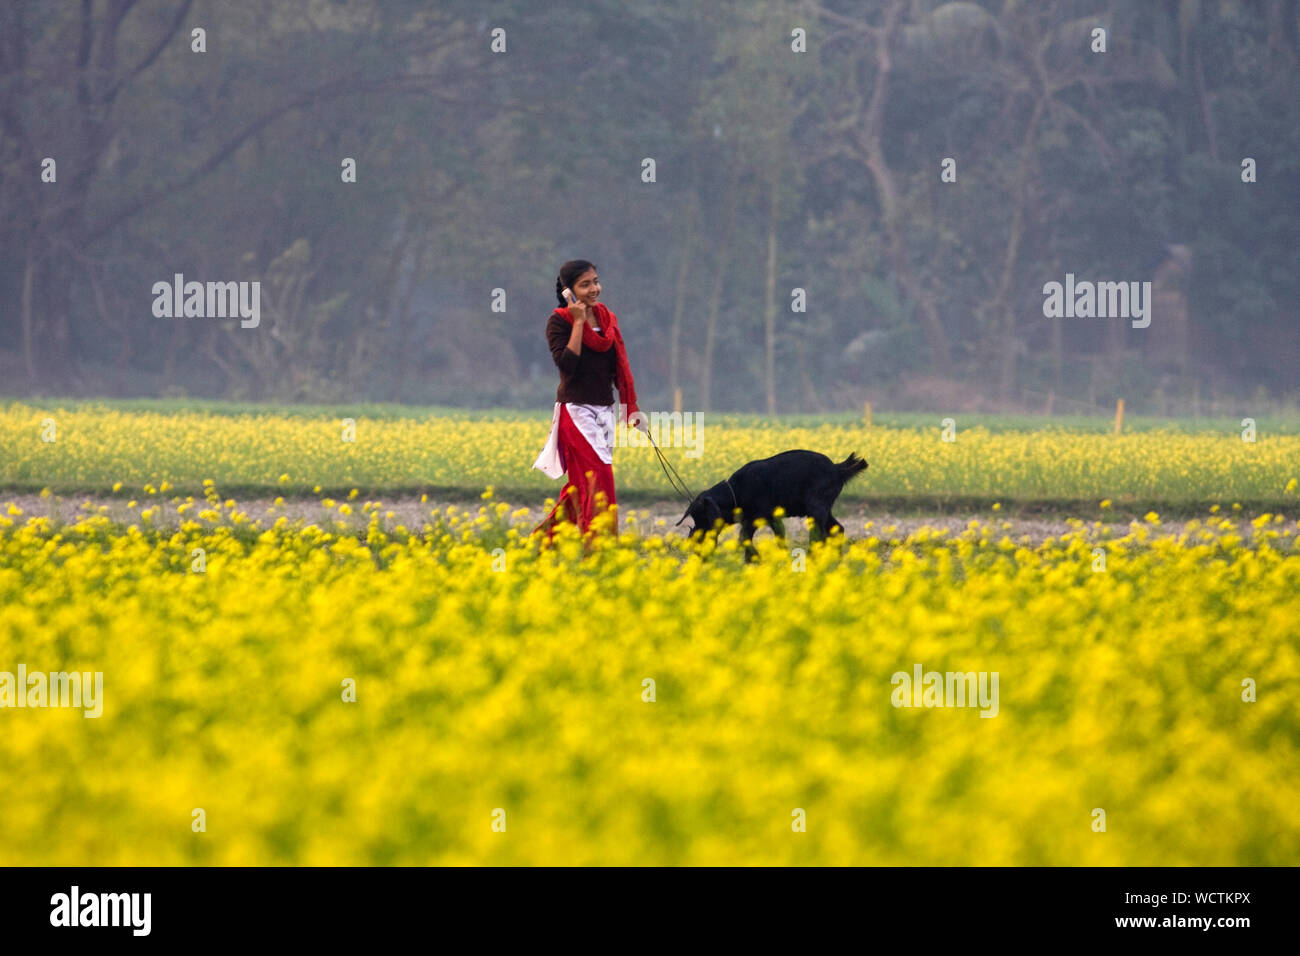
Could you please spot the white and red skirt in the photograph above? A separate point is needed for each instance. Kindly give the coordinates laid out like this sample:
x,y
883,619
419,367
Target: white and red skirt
x,y
581,442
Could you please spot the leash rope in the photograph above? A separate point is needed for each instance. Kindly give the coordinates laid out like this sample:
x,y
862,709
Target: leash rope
x,y
674,479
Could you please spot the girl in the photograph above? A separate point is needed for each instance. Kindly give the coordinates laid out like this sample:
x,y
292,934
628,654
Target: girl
x,y
587,347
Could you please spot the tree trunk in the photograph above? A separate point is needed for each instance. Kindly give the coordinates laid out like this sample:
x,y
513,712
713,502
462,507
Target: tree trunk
x,y
29,346
1203,100
870,143
404,314
769,319
1058,355
1002,303
715,296
683,273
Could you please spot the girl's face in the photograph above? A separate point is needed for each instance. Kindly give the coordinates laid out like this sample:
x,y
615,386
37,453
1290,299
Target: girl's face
x,y
587,287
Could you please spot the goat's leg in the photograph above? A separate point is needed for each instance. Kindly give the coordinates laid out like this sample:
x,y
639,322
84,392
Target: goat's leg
x,y
823,522
747,539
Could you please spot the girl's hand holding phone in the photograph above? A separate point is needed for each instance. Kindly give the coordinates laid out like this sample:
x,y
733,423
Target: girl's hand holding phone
x,y
577,309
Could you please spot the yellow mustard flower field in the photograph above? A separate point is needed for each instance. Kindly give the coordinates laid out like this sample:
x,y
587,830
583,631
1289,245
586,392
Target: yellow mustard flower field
x,y
94,448
357,691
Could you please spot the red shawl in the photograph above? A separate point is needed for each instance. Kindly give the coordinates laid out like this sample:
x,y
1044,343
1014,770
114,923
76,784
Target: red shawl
x,y
601,341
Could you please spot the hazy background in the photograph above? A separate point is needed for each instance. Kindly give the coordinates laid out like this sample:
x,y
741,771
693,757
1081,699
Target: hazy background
x,y
774,170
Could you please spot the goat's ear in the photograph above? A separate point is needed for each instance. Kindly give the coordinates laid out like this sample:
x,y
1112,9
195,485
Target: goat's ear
x,y
688,510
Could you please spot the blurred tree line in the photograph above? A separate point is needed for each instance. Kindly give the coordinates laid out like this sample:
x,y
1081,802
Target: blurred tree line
x,y
780,178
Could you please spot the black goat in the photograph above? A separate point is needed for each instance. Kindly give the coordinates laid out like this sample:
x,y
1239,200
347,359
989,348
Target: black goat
x,y
802,483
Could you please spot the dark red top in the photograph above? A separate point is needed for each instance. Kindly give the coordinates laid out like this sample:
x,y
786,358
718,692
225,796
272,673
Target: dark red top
x,y
586,379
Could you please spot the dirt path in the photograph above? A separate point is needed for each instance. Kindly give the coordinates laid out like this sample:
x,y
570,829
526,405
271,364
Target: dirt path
x,y
412,513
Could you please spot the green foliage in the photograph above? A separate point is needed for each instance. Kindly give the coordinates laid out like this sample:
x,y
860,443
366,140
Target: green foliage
x,y
479,171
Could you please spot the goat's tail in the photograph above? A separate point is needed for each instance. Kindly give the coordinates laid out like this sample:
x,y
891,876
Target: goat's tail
x,y
853,465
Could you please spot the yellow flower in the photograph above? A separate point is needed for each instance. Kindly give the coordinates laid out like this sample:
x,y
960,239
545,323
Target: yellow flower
x,y
470,626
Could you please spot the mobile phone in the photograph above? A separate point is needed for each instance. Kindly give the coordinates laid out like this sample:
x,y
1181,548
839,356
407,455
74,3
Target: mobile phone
x,y
568,295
